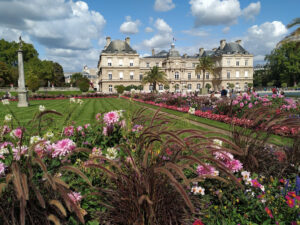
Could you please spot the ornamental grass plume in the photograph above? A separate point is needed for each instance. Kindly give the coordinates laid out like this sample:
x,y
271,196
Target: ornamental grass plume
x,y
147,185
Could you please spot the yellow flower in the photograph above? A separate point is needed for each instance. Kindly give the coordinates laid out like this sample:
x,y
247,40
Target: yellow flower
x,y
237,200
216,207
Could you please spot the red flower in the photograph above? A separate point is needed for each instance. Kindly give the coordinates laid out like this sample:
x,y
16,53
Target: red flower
x,y
292,194
290,201
268,211
198,222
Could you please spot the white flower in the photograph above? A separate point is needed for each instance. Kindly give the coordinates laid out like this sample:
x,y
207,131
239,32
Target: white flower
x,y
35,139
4,151
72,100
191,111
111,153
263,200
49,134
248,182
5,102
216,173
42,108
196,190
79,101
262,188
120,112
246,175
218,142
8,118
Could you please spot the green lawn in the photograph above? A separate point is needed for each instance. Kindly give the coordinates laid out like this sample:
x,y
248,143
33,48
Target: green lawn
x,y
81,114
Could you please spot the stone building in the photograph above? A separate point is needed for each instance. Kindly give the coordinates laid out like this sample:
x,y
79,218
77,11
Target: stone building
x,y
119,64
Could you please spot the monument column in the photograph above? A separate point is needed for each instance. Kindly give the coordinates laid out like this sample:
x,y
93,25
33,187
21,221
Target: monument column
x,y
22,92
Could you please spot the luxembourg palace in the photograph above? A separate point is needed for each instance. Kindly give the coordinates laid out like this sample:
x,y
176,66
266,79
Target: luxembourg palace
x,y
119,64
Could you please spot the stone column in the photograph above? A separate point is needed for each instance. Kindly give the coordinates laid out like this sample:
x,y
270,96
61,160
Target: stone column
x,y
22,92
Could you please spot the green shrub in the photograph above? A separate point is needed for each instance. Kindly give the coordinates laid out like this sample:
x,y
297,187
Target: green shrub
x,y
83,84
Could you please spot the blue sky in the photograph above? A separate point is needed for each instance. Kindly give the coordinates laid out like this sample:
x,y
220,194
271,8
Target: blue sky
x,y
73,32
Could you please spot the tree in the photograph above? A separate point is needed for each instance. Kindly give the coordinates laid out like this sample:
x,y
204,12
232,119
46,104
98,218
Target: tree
x,y
231,85
208,86
155,76
284,64
4,74
250,85
83,83
294,36
75,77
206,64
284,85
120,89
32,81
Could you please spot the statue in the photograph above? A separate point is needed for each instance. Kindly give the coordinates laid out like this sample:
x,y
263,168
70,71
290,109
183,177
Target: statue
x,y
20,43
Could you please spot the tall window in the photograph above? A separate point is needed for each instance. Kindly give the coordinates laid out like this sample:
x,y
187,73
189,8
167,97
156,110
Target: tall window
x,y
109,62
207,75
194,64
120,62
189,76
121,75
148,65
176,75
131,75
237,85
141,76
160,87
237,73
228,62
246,73
157,64
150,87
246,62
198,76
198,86
110,75
110,88
131,62
228,74
237,63
176,87
189,87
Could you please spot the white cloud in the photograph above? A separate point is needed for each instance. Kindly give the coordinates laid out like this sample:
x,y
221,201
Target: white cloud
x,y
262,39
161,39
216,12
195,32
251,11
225,30
162,26
130,27
58,25
163,5
148,29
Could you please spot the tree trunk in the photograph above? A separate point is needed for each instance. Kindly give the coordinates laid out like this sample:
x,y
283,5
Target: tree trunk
x,y
203,82
154,86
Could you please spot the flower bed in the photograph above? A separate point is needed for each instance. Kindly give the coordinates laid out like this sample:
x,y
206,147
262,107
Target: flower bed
x,y
240,104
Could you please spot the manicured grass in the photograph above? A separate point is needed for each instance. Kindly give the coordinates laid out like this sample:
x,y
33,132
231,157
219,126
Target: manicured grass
x,y
81,114
274,139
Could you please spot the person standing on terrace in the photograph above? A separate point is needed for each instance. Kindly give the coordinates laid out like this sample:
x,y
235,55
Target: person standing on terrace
x,y
223,93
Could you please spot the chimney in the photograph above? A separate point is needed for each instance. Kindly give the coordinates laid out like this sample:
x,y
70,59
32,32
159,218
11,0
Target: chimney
x,y
238,42
153,51
107,41
201,51
214,49
127,40
222,44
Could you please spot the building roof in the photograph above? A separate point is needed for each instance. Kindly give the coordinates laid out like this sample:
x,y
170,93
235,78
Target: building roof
x,y
118,46
231,48
173,52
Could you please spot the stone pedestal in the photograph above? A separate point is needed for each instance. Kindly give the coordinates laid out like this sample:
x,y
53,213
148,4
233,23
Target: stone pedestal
x,y
22,92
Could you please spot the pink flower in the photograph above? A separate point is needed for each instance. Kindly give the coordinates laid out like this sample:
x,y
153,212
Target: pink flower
x,y
104,132
63,147
111,117
17,133
19,151
79,128
235,102
290,201
123,123
234,165
2,168
137,128
69,131
87,125
256,102
98,116
268,211
5,129
241,105
255,183
75,197
43,148
250,105
207,170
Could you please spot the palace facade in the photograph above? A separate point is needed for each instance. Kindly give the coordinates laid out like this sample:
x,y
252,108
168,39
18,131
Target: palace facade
x,y
119,64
